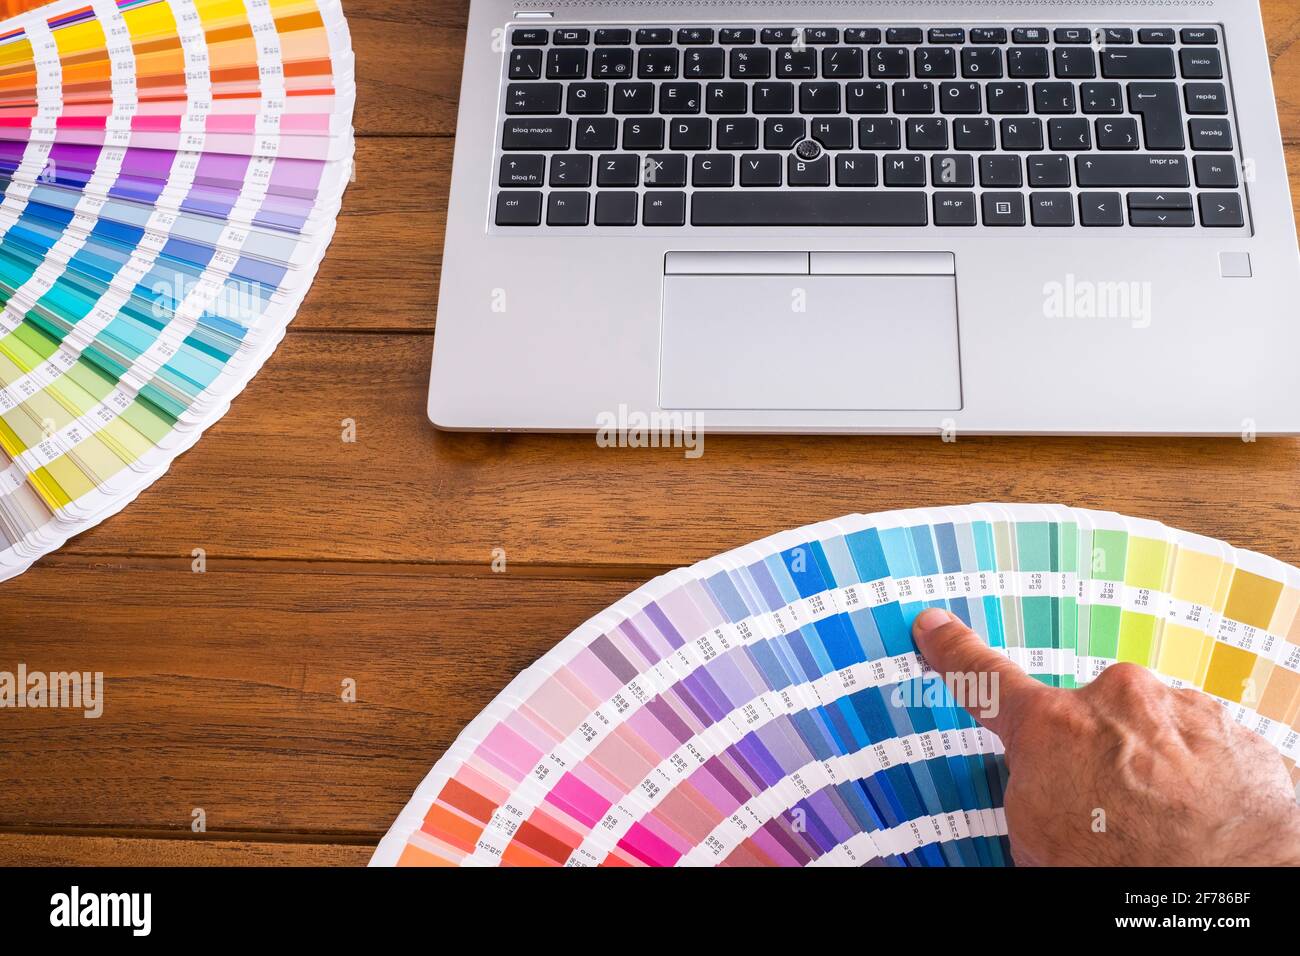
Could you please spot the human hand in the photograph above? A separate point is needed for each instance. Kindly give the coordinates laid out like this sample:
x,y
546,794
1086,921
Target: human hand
x,y
1124,771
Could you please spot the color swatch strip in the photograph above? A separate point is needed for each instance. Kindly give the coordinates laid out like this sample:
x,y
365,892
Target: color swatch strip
x,y
767,707
172,171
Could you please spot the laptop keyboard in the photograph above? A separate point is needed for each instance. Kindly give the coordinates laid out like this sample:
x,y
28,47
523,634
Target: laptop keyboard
x,y
1074,127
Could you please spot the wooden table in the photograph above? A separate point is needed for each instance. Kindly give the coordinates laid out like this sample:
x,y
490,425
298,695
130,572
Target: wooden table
x,y
371,561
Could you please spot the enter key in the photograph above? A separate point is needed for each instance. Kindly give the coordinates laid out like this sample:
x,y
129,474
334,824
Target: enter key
x,y
1162,114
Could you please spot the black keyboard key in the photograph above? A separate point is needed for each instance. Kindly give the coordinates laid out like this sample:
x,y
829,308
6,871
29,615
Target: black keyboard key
x,y
784,133
796,63
611,64
1004,209
634,98
587,99
613,37
1048,171
534,99
525,64
1119,169
643,134
808,172
523,171
913,98
904,35
713,169
1072,35
566,65
1102,98
1101,209
866,98
1157,217
1216,172
690,134
1117,36
1206,99
1138,64
954,209
958,99
820,36
751,63
1120,132
654,36
1005,98
935,62
927,134
862,35
619,169
665,170
706,63
1051,209
599,132
887,63
952,172
695,36
974,134
988,35
739,133
571,171
732,36
1029,62
778,35
1222,211
842,63
616,209
1022,135
946,35
519,209
571,36
760,170
1201,64
1165,200
726,98
1029,35
658,64
1054,98
1198,36
537,134
834,134
819,97
810,208
1162,115
529,37
856,169
676,99
1069,135
1159,36
981,63
1075,63
665,209
904,169
773,98
1001,172
1210,134
879,134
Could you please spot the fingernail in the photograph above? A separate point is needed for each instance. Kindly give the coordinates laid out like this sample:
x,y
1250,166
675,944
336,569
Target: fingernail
x,y
931,618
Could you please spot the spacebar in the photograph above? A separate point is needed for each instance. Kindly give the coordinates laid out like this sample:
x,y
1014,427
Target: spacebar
x,y
797,208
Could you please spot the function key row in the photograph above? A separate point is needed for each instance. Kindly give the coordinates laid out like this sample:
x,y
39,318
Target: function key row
x,y
692,36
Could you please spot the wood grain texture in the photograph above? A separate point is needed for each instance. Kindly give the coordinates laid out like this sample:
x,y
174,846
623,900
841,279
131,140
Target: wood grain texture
x,y
370,560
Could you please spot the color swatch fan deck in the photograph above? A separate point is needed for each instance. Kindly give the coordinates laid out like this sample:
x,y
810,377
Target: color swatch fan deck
x,y
172,170
768,706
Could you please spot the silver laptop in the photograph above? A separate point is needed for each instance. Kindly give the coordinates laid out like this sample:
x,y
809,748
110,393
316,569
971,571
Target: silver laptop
x,y
907,217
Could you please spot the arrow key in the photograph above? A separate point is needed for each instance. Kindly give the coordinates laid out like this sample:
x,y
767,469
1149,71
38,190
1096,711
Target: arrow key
x,y
1159,200
1101,209
1222,211
1162,217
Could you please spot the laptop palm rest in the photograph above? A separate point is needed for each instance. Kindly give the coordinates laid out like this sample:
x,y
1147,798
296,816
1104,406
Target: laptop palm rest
x,y
852,331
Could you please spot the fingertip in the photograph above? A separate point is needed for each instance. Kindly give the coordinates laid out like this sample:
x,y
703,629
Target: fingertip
x,y
931,619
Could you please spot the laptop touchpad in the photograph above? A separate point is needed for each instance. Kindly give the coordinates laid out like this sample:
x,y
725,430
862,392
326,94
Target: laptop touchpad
x,y
774,342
